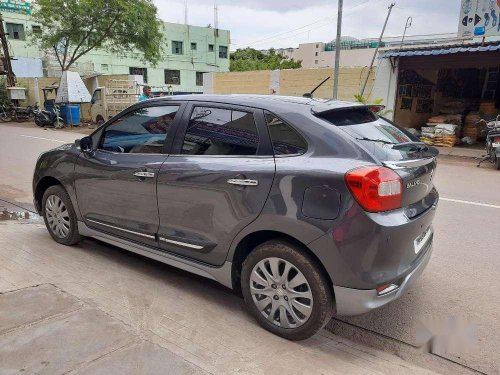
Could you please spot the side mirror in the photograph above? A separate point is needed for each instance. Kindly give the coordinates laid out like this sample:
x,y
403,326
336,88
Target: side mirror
x,y
85,144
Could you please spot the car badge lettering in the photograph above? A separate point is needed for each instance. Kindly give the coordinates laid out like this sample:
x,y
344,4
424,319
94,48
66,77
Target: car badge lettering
x,y
412,184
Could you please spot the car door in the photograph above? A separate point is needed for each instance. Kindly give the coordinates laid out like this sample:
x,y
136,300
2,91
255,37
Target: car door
x,y
116,183
216,180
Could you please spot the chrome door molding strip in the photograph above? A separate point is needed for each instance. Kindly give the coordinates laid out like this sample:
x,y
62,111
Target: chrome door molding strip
x,y
184,244
122,229
221,274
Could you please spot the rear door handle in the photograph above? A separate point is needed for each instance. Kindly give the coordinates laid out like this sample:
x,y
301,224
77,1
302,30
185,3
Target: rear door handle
x,y
143,174
242,182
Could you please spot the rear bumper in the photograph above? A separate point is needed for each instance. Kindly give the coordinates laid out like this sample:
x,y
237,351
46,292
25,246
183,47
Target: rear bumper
x,y
359,301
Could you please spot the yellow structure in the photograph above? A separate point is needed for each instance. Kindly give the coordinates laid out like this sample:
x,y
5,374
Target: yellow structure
x,y
294,82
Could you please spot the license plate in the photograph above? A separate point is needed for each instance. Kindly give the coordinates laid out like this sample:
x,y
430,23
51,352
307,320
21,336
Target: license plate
x,y
421,240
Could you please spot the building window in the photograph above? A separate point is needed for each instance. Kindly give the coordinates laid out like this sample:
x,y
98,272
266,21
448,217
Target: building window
x,y
317,45
15,30
223,52
199,78
36,29
210,48
104,67
139,72
172,77
315,61
316,54
177,48
193,47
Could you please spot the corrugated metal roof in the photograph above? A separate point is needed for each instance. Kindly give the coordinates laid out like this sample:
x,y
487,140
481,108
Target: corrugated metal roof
x,y
441,50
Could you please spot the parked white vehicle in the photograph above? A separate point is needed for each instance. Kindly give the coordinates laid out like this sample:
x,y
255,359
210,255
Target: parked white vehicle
x,y
107,101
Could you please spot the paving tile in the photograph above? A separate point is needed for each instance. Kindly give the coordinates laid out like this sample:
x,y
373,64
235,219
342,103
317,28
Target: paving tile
x,y
59,345
29,305
144,358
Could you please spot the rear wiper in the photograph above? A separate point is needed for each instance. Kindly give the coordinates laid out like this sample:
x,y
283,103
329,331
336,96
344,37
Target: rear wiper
x,y
414,146
376,140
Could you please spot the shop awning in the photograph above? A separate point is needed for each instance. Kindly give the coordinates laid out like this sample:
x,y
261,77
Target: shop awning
x,y
441,50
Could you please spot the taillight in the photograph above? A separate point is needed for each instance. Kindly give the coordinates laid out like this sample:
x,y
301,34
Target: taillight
x,y
376,189
496,139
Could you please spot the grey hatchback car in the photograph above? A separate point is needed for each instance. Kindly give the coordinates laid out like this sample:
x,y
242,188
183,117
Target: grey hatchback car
x,y
310,208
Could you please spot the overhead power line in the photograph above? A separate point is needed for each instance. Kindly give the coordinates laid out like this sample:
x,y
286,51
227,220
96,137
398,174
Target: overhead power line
x,y
276,37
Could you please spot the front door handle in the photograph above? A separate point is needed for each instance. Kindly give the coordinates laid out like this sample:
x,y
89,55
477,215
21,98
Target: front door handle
x,y
242,182
143,174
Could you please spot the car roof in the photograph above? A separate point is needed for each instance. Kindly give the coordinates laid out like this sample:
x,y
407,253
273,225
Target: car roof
x,y
277,103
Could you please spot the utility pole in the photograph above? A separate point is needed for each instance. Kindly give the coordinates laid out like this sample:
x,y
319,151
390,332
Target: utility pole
x,y
376,49
337,51
7,64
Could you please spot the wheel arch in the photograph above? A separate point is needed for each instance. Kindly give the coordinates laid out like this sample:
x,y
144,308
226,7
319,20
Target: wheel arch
x,y
41,187
248,243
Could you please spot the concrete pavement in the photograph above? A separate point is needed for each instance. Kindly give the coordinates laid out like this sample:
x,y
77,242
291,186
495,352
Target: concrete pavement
x,y
86,308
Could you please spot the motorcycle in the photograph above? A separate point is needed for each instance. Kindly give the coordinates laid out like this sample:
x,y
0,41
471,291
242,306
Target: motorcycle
x,y
492,143
5,113
23,113
45,118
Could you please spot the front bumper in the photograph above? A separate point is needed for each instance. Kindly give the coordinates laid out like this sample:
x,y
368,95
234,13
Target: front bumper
x,y
359,301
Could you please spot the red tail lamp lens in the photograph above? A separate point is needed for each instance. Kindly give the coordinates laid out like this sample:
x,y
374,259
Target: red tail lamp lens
x,y
376,189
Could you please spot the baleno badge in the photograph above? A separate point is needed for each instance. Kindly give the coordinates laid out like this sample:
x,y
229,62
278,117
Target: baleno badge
x,y
412,184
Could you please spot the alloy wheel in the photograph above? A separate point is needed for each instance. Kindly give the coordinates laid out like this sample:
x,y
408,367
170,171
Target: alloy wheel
x,y
281,293
57,216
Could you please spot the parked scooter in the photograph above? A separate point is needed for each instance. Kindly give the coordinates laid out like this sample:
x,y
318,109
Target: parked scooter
x,y
492,143
23,113
45,118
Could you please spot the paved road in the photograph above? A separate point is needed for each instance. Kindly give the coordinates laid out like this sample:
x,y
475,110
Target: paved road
x,y
461,281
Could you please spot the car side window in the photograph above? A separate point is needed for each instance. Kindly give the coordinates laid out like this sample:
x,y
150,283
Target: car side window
x,y
218,131
285,140
142,131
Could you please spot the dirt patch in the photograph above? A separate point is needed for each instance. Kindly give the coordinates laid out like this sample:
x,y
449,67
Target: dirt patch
x,y
11,193
85,128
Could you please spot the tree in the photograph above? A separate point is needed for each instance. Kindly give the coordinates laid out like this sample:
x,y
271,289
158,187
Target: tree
x,y
72,28
251,59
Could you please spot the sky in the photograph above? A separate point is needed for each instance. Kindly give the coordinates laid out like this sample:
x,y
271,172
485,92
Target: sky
x,y
263,24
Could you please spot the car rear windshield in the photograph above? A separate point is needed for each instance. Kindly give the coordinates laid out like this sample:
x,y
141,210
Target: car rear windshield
x,y
377,134
350,116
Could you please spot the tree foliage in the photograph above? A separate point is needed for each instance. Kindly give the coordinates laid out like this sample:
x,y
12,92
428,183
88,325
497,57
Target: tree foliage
x,y
251,59
72,28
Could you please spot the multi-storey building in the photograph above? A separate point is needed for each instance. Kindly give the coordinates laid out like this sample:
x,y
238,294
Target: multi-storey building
x,y
357,52
189,51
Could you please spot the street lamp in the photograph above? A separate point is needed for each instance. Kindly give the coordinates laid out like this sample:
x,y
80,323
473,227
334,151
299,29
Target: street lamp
x,y
407,26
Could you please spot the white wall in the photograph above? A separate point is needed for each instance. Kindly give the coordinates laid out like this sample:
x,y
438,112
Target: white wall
x,y
385,85
27,67
326,59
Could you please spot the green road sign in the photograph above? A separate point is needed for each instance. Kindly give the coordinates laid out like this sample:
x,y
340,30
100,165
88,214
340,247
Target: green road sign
x,y
15,6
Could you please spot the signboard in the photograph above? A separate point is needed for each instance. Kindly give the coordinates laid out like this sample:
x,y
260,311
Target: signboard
x,y
15,6
479,18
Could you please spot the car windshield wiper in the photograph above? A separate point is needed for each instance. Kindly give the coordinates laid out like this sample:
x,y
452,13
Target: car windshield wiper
x,y
376,140
414,146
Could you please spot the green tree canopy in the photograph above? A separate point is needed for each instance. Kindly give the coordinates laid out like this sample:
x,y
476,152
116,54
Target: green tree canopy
x,y
251,59
72,28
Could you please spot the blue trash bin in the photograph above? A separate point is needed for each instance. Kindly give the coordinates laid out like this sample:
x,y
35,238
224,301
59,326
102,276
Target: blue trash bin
x,y
70,114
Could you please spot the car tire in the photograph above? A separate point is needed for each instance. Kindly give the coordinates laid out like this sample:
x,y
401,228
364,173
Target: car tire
x,y
99,121
59,216
290,265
